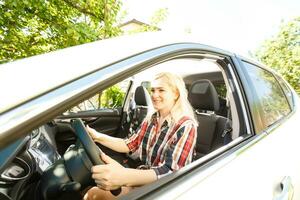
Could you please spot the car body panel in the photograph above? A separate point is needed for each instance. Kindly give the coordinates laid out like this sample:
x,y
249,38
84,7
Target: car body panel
x,y
257,172
56,68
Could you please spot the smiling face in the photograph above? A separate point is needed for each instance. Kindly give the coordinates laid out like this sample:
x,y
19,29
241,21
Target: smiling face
x,y
163,96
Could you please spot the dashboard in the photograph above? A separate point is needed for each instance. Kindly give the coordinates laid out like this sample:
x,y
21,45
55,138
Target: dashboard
x,y
28,157
42,147
48,163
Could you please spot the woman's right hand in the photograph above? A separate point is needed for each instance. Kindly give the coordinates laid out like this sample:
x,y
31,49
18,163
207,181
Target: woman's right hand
x,y
116,144
96,136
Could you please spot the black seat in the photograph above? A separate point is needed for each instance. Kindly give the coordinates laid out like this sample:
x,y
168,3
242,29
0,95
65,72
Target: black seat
x,y
143,102
204,99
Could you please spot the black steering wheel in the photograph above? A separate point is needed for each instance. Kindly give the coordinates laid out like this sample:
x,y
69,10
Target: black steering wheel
x,y
91,149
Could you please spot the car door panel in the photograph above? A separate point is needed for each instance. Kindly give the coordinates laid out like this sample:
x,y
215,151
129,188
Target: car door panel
x,y
104,120
108,124
256,172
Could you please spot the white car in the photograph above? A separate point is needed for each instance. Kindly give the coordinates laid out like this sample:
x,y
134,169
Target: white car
x,y
247,144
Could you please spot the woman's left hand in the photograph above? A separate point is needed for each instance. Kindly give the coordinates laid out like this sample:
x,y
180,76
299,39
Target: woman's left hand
x,y
109,176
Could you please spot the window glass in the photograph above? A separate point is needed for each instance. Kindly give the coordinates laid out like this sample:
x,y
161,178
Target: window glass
x,y
287,91
111,97
272,103
221,90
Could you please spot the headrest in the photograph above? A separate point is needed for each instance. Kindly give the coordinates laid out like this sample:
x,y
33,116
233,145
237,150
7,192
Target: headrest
x,y
142,96
203,96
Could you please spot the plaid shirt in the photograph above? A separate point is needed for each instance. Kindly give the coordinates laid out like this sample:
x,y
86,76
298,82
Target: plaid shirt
x,y
167,150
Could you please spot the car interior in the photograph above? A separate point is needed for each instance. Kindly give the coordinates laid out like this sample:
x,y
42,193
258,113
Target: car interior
x,y
52,164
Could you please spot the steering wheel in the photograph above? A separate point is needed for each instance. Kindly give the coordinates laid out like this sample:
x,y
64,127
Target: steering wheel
x,y
91,149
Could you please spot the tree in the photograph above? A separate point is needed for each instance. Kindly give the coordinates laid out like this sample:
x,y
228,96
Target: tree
x,y
31,27
112,97
157,18
283,52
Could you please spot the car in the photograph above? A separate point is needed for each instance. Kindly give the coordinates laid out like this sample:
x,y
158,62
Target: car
x,y
247,139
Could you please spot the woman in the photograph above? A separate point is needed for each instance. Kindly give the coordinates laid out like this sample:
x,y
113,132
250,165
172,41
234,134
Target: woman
x,y
164,142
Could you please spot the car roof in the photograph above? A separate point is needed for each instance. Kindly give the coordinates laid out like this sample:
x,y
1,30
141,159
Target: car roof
x,y
27,78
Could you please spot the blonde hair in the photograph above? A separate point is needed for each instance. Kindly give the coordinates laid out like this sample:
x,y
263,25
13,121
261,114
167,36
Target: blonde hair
x,y
182,106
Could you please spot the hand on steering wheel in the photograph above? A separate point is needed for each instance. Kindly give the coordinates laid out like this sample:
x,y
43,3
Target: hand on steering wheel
x,y
108,176
91,149
92,132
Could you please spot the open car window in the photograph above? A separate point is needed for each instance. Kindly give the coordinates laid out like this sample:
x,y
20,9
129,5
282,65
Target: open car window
x,y
202,69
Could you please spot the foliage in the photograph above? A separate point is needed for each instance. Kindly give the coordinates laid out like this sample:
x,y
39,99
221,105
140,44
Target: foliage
x,y
221,90
31,27
158,17
112,97
283,52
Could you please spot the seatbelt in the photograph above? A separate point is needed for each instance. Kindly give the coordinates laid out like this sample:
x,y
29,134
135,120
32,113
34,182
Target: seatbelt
x,y
127,118
134,124
226,135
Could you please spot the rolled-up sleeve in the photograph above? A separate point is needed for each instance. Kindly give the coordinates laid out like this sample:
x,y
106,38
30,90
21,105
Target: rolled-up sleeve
x,y
136,139
180,150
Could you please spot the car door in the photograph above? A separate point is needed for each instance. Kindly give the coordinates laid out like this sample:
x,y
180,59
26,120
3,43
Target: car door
x,y
267,167
262,164
275,117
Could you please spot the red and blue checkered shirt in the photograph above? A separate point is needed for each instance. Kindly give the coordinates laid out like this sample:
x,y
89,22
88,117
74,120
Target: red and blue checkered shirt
x,y
166,150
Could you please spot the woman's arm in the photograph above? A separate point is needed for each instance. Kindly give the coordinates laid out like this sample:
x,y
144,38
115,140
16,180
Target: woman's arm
x,y
138,177
116,144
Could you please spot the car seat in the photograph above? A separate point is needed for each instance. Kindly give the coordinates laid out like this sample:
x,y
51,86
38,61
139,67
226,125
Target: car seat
x,y
204,99
140,110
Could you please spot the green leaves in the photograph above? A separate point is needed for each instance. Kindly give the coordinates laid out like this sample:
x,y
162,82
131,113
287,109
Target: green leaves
x,y
158,17
31,27
283,52
112,97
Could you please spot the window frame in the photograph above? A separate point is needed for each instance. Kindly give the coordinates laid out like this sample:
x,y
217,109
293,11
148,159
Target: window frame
x,y
283,84
252,98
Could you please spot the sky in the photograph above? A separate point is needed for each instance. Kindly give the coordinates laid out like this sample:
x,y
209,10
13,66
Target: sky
x,y
242,25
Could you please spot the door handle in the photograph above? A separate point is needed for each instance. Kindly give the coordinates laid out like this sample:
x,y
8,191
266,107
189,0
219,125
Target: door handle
x,y
286,190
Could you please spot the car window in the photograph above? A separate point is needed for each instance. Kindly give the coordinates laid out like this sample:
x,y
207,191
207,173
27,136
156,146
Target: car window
x,y
286,90
111,97
272,102
221,90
